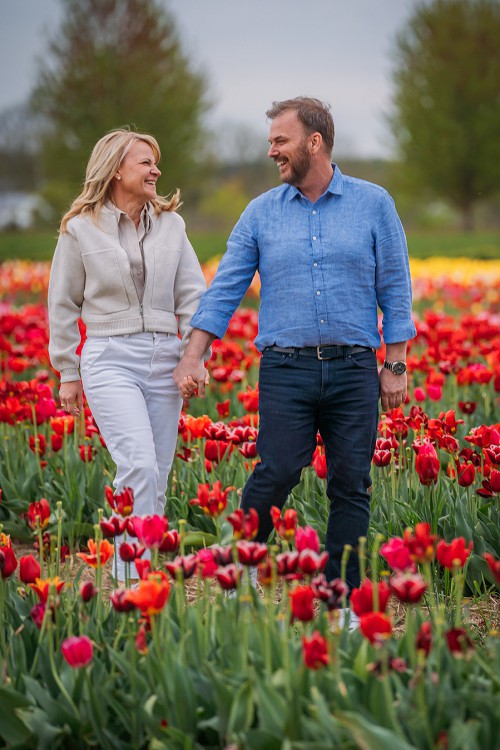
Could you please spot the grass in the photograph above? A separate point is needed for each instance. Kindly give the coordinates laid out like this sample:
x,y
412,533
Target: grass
x,y
40,244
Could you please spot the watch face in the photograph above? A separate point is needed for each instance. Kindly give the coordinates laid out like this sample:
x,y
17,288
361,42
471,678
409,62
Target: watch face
x,y
398,368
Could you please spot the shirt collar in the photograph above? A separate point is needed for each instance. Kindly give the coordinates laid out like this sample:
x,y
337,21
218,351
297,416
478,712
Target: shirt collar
x,y
146,214
336,186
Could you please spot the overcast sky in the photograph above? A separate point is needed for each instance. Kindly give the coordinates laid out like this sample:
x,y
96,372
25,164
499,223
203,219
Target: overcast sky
x,y
254,52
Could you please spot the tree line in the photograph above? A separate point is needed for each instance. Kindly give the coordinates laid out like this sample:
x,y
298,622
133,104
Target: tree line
x,y
121,62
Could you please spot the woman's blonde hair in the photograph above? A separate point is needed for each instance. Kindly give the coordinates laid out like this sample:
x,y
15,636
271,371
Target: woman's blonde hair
x,y
107,155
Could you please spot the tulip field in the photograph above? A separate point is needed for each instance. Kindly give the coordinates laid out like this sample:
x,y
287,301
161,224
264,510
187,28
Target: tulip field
x,y
194,655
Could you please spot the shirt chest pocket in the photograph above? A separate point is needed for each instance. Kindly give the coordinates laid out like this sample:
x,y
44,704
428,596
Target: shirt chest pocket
x,y
165,263
105,290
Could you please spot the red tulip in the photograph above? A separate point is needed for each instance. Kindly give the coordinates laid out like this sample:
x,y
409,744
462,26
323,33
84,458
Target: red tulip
x,y
397,554
29,569
206,563
37,613
302,599
171,541
87,452
382,458
375,626
465,474
459,642
56,442
77,650
212,500
112,527
120,601
362,598
129,551
285,525
454,553
319,464
121,502
306,538
494,566
427,464
315,651
38,444
421,544
228,577
330,592
311,562
8,561
468,407
184,566
424,638
141,642
408,588
287,563
251,553
87,591
151,530
38,513
245,525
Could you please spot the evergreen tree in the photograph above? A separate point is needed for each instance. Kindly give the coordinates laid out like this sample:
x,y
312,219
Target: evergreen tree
x,y
447,100
115,63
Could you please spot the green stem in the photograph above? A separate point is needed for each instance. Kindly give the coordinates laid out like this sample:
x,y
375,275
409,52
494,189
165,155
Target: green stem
x,y
343,567
58,680
362,557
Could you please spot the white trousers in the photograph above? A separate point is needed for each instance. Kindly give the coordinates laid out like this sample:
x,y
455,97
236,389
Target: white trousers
x,y
129,387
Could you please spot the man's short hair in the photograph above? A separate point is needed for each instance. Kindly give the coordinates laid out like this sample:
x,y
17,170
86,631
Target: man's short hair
x,y
314,115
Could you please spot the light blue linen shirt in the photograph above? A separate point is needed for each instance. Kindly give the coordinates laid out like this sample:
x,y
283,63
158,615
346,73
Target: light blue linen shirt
x,y
325,268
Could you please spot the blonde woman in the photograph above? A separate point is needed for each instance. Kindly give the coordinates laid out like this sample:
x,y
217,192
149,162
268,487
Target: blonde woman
x,y
124,263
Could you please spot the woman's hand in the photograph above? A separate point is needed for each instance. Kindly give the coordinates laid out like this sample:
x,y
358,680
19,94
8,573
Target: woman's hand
x,y
71,397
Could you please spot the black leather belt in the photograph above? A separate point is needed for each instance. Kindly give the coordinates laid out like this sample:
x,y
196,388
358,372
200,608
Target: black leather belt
x,y
335,351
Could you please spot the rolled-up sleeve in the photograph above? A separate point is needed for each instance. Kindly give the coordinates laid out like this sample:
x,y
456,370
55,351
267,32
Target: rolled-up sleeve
x,y
393,280
234,275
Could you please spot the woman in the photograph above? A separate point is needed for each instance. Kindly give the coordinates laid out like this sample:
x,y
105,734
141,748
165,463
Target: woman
x,y
124,264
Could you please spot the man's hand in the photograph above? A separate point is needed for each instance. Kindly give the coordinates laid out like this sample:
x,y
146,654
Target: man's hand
x,y
191,376
392,389
71,397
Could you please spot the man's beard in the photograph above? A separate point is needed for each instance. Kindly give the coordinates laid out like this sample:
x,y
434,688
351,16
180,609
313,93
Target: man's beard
x,y
299,167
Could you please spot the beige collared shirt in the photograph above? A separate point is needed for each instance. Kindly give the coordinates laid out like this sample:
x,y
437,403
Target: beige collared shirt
x,y
132,239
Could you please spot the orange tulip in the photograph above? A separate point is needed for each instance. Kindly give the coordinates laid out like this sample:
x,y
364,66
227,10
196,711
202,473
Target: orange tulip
x,y
152,594
99,553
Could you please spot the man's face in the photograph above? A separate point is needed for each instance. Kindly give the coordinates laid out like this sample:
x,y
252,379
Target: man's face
x,y
289,148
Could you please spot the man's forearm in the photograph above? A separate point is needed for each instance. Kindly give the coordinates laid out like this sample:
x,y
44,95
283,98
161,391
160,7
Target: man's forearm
x,y
396,352
198,344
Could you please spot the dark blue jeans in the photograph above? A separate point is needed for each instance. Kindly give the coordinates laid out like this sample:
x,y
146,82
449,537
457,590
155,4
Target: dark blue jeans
x,y
300,395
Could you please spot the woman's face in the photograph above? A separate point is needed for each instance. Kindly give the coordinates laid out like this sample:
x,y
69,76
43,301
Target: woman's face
x,y
139,174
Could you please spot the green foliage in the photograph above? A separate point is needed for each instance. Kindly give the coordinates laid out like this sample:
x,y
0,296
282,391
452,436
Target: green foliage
x,y
39,245
447,108
224,671
113,63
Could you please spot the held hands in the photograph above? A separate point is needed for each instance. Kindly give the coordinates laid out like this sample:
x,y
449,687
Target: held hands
x,y
191,376
71,397
392,389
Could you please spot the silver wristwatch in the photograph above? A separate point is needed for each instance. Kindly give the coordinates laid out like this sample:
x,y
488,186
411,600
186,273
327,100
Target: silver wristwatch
x,y
398,367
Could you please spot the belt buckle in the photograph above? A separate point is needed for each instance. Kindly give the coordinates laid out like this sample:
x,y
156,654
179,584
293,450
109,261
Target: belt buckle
x,y
319,354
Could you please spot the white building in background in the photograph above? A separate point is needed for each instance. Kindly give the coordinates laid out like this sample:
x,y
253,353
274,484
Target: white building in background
x,y
17,209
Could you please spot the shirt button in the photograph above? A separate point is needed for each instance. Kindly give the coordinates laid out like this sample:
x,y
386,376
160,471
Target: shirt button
x,y
321,321
318,293
314,213
314,237
315,265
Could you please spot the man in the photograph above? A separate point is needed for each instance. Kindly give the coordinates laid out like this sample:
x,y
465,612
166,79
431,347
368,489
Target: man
x,y
329,249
